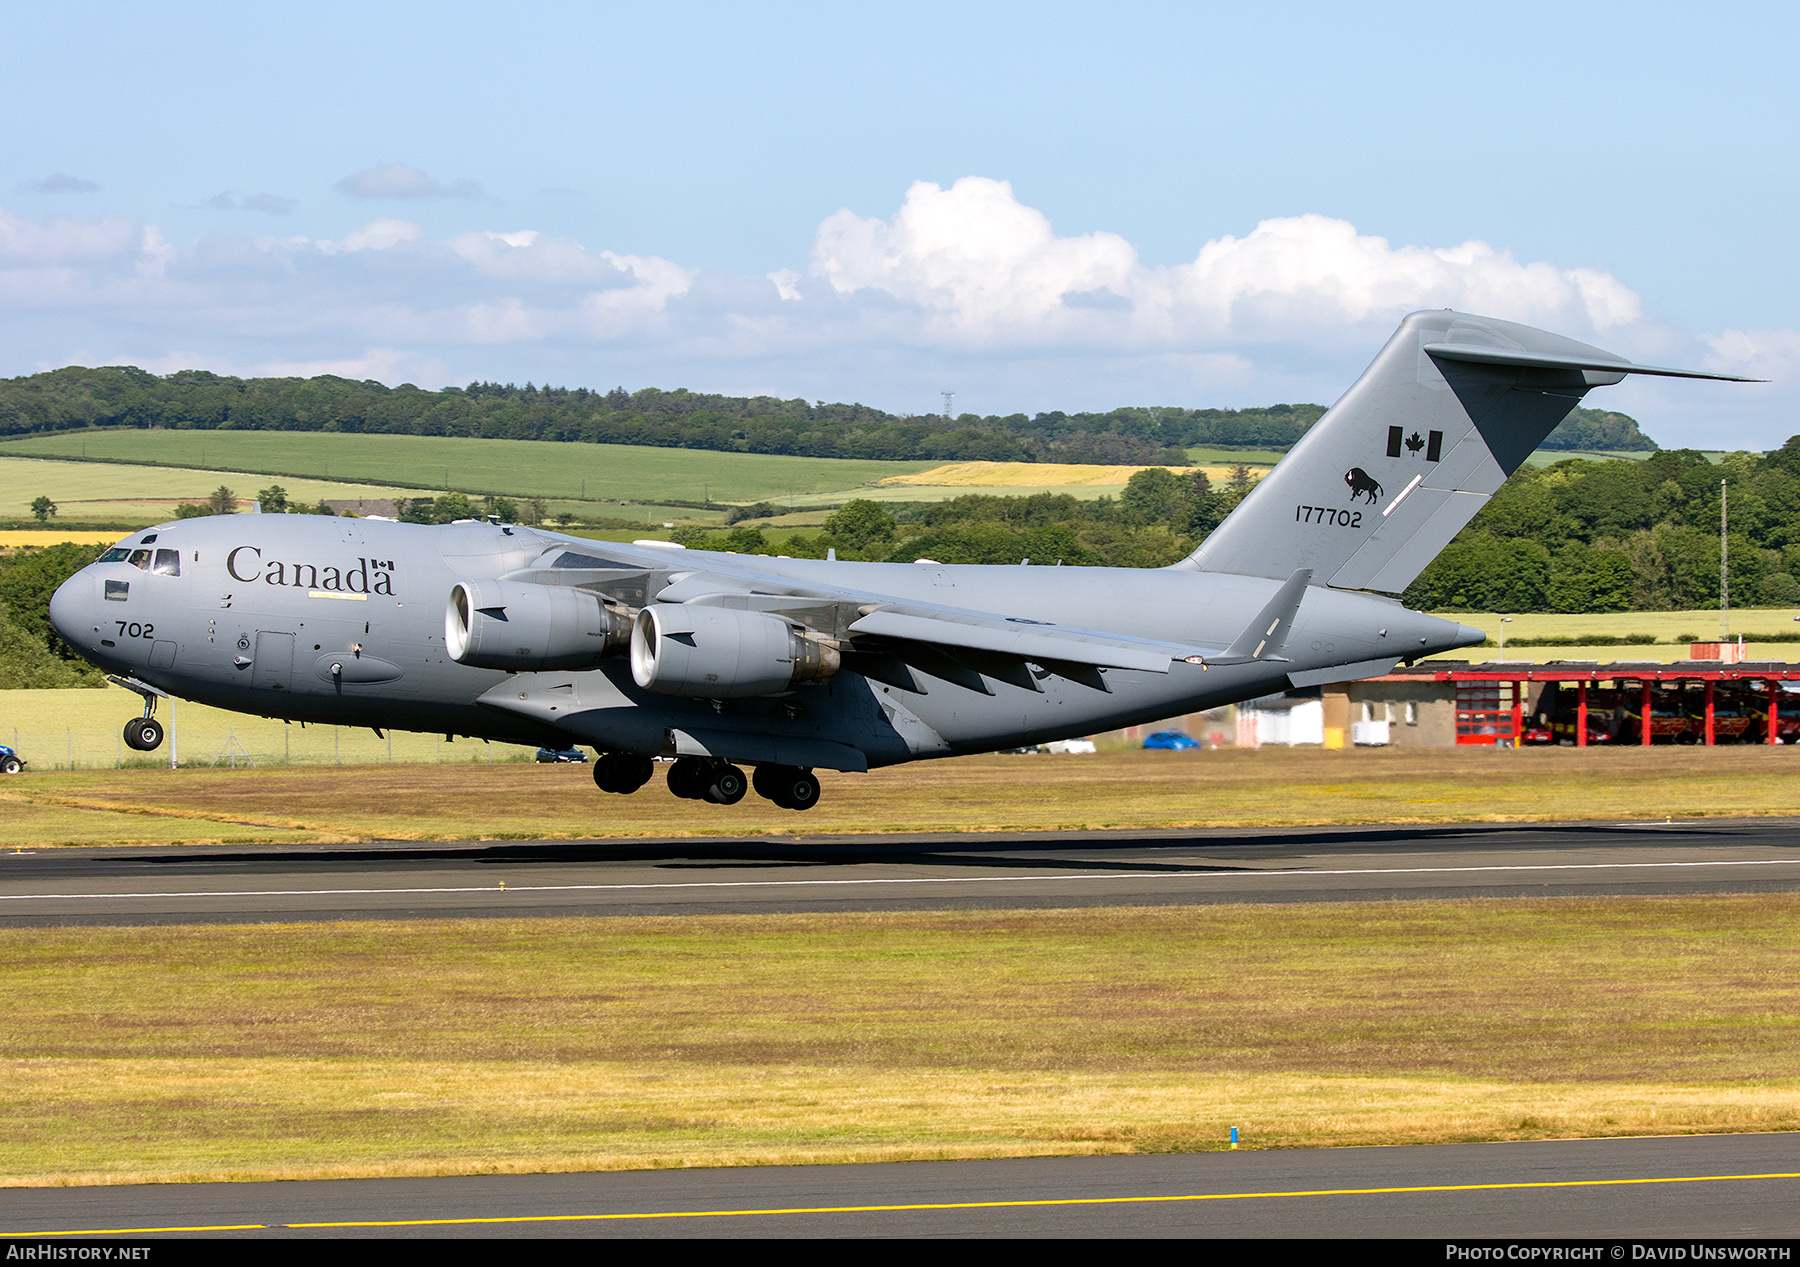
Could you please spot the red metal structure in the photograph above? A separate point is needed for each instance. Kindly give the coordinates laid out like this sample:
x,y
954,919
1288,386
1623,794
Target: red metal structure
x,y
1490,699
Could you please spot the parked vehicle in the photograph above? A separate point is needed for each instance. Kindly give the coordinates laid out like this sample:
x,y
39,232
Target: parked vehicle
x,y
1537,730
1172,741
561,754
1668,718
1735,717
10,761
1602,720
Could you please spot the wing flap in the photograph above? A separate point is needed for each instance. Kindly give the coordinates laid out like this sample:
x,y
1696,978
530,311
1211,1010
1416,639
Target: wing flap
x,y
1026,642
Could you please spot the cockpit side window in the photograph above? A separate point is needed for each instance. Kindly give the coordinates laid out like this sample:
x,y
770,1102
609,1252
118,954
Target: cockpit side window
x,y
118,554
168,563
140,559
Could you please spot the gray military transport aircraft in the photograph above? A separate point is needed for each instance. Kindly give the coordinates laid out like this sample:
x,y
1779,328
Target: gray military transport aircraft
x,y
647,650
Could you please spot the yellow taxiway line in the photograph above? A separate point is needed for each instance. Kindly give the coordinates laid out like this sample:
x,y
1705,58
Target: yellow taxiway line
x,y
934,1205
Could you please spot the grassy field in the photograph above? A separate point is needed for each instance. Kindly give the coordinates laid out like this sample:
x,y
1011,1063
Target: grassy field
x,y
98,491
431,1047
14,538
1549,457
80,729
1107,790
1652,634
518,468
1228,458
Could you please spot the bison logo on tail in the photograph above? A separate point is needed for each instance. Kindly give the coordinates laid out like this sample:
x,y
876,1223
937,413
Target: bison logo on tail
x,y
1360,482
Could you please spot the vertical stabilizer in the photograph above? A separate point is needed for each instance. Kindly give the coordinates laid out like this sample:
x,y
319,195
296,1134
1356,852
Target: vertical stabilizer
x,y
1451,406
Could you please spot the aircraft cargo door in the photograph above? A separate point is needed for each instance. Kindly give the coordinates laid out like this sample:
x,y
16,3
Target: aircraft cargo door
x,y
274,661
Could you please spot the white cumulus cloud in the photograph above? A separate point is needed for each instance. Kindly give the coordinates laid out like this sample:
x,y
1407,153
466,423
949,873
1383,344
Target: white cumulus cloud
x,y
962,285
397,180
982,266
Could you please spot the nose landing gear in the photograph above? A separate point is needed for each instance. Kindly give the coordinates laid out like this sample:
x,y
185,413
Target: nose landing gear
x,y
145,734
142,734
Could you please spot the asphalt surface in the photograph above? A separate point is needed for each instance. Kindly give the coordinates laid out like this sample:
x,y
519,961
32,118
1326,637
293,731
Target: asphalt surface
x,y
287,884
1622,1190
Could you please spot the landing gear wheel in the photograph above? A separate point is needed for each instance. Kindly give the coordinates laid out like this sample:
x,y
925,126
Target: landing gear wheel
x,y
143,734
728,785
787,786
622,772
689,778
802,790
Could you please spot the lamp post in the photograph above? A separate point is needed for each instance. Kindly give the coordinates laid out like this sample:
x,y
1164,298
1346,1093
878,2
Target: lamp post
x,y
1504,622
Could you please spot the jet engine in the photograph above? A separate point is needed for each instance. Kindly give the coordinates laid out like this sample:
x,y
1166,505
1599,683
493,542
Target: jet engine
x,y
721,653
519,626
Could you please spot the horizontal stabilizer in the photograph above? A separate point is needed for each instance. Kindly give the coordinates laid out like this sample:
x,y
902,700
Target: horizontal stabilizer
x,y
1266,637
1476,355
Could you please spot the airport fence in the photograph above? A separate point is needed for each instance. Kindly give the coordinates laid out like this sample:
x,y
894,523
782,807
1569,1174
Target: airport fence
x,y
81,730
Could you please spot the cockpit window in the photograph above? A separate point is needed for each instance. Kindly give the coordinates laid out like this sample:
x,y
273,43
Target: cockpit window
x,y
147,540
168,563
140,559
569,559
118,591
118,554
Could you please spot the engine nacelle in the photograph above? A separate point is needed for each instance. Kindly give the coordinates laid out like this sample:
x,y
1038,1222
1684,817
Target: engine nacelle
x,y
520,626
721,653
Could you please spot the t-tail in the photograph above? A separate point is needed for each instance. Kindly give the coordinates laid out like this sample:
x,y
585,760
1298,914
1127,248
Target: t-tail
x,y
1452,406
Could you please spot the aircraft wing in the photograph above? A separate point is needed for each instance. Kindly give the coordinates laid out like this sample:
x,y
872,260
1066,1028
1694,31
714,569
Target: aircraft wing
x,y
1019,637
887,636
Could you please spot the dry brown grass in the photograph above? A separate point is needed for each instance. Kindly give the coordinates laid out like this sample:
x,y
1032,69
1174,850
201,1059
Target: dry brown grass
x,y
142,1121
446,1046
1108,790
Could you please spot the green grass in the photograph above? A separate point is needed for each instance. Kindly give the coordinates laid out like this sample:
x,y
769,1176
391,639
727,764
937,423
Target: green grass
x,y
98,491
439,1046
515,468
80,729
1658,631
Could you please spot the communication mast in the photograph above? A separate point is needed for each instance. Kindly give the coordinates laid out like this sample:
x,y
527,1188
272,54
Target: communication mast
x,y
1724,567
948,397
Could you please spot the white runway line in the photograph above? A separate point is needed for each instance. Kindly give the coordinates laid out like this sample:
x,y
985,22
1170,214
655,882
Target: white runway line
x,y
958,879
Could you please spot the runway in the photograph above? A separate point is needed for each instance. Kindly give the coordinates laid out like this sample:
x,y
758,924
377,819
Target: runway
x,y
288,884
1617,1190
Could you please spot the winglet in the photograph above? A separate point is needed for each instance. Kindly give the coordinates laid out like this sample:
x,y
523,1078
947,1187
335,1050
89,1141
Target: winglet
x,y
1266,636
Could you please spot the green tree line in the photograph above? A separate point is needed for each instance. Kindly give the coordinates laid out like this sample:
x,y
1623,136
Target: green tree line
x,y
1627,536
113,396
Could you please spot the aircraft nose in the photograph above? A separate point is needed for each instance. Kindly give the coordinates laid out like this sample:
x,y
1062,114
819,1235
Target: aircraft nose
x,y
71,607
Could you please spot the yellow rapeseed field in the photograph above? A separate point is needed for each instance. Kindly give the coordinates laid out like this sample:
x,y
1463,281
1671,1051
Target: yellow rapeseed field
x,y
1036,474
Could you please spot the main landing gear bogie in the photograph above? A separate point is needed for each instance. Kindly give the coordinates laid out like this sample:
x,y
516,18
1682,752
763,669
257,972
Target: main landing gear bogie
x,y
709,779
622,772
704,779
788,786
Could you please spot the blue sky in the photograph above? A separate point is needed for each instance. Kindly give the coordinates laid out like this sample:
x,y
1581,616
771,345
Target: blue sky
x,y
1040,206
